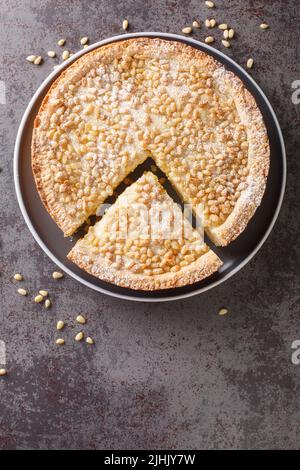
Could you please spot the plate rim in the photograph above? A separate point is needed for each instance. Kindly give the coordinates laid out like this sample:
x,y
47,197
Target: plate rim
x,y
17,155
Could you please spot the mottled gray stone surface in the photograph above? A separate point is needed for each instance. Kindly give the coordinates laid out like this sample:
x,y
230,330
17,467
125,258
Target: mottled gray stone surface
x,y
174,375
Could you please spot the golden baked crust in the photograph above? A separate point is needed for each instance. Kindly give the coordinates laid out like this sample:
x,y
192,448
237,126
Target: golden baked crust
x,y
258,167
143,97
119,250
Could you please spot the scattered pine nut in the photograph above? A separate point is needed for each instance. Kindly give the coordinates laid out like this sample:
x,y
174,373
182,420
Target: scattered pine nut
x,y
264,26
61,42
250,63
47,303
125,25
80,319
209,4
59,325
226,34
22,292
84,40
18,277
79,336
51,54
44,293
187,30
31,58
223,26
223,311
212,23
231,33
60,341
85,46
57,275
38,60
3,372
89,340
65,55
209,39
225,43
196,24
207,23
38,299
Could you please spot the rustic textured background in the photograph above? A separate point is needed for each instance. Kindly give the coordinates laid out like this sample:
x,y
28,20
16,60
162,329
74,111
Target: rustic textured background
x,y
174,375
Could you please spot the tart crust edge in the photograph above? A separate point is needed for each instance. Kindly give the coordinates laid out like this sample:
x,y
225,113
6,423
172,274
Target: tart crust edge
x,y
258,164
203,267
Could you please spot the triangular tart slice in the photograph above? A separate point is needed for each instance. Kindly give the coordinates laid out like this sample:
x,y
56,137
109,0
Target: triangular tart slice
x,y
143,241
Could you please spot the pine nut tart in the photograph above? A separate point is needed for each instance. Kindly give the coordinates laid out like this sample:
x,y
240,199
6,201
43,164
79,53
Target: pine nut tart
x,y
131,248
146,97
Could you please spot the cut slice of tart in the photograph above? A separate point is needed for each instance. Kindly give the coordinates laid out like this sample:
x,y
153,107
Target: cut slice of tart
x,y
145,242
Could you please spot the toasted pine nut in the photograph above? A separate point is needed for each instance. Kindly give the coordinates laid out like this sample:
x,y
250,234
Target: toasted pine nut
x,y
250,63
44,293
187,30
223,311
80,319
65,55
60,341
225,43
31,58
22,292
79,336
59,325
38,60
57,275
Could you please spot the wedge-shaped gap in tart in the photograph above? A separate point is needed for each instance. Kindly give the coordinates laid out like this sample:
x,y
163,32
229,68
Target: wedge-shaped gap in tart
x,y
149,164
144,242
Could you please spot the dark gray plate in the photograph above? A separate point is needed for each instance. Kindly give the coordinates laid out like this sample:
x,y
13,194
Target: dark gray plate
x,y
235,256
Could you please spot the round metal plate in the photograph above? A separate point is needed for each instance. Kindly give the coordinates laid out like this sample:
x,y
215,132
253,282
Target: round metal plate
x,y
235,256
